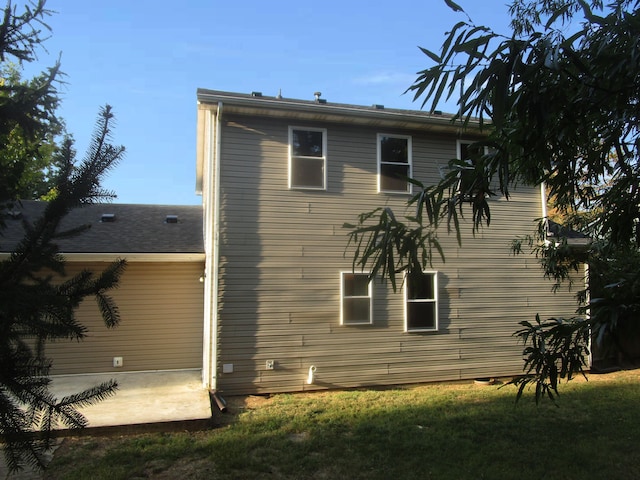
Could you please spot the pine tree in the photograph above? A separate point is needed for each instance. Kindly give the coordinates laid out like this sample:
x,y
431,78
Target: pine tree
x,y
37,300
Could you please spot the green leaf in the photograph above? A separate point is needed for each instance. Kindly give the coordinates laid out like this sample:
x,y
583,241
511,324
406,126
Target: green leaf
x,y
453,6
430,54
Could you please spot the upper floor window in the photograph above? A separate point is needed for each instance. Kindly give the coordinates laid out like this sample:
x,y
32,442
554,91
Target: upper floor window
x,y
421,302
469,152
394,163
355,299
307,158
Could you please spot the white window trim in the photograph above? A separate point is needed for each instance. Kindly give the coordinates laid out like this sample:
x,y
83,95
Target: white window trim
x,y
323,157
342,298
459,143
409,160
434,300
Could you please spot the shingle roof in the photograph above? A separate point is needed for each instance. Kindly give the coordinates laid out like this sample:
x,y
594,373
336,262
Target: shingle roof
x,y
136,228
558,230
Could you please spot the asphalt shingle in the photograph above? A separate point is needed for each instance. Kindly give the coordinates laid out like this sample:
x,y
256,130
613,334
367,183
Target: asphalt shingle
x,y
136,228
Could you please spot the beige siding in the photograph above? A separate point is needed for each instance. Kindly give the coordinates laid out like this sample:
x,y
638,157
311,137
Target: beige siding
x,y
161,308
282,251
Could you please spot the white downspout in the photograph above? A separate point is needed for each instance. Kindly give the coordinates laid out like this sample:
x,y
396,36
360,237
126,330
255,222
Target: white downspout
x,y
543,200
212,218
207,234
216,251
543,205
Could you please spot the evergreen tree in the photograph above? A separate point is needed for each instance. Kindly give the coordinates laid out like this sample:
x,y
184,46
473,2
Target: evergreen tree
x,y
28,119
30,159
37,299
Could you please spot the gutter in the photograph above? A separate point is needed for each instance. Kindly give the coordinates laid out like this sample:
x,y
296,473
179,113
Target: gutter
x,y
337,111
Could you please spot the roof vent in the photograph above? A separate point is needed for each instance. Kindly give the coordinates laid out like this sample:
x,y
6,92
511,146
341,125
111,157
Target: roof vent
x,y
318,99
15,214
171,219
378,106
256,94
437,112
108,218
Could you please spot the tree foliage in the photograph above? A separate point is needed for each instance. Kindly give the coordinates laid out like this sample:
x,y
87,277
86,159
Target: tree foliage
x,y
37,299
28,160
28,121
558,102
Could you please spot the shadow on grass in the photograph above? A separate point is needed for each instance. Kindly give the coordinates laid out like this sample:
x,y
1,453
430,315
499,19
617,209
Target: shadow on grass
x,y
442,432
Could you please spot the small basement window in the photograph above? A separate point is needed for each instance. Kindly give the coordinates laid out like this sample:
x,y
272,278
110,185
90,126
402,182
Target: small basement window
x,y
394,163
421,302
355,299
307,158
108,218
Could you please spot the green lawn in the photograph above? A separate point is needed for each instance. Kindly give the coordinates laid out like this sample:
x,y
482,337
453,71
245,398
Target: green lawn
x,y
441,431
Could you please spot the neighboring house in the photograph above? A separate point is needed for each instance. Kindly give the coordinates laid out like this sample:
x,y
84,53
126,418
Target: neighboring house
x,y
160,295
283,307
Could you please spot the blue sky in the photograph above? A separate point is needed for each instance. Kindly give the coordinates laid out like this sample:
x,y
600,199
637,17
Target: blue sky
x,y
147,58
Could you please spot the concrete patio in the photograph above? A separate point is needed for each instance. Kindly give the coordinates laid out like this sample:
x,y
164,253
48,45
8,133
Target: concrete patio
x,y
142,397
144,401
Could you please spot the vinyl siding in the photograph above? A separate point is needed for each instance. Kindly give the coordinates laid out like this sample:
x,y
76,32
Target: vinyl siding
x,y
282,252
161,309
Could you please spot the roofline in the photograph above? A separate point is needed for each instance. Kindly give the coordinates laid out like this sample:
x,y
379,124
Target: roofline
x,y
130,257
337,111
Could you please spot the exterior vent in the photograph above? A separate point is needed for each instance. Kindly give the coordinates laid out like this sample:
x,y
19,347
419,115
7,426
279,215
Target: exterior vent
x,y
14,214
318,99
256,94
108,218
378,106
437,112
171,219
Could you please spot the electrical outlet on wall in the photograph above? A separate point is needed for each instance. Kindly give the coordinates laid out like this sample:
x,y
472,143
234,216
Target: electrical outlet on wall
x,y
270,364
117,362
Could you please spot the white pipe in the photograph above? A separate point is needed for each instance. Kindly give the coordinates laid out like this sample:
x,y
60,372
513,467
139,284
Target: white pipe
x,y
216,250
206,203
311,378
211,219
543,205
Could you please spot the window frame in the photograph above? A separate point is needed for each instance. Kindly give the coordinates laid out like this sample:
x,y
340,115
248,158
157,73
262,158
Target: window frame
x,y
434,300
292,157
459,143
408,138
343,297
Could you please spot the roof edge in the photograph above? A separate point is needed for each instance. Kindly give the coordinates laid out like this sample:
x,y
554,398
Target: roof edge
x,y
130,257
416,117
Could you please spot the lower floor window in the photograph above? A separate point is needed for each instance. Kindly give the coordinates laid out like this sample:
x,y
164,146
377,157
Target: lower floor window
x,y
355,299
421,302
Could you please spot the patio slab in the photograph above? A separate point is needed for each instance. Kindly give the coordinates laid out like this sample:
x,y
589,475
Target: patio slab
x,y
142,397
144,401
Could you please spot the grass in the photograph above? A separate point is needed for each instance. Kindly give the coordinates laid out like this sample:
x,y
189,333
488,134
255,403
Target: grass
x,y
439,431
